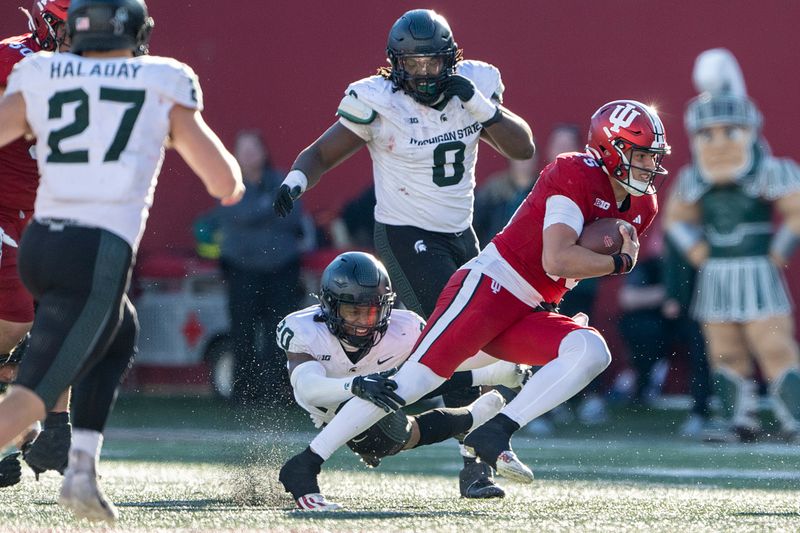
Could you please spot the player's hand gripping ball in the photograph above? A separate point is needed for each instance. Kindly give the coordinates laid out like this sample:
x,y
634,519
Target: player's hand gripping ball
x,y
602,236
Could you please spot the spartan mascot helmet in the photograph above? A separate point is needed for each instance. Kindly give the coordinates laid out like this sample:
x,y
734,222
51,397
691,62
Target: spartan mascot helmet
x,y
723,123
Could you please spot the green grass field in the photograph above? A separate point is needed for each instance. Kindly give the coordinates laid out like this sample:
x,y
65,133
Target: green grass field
x,y
197,465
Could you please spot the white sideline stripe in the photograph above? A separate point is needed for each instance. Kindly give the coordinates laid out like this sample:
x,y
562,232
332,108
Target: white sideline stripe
x,y
521,441
207,435
703,473
442,467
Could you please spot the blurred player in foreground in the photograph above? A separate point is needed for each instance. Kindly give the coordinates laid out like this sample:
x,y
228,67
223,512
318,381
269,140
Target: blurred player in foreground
x,y
19,178
101,115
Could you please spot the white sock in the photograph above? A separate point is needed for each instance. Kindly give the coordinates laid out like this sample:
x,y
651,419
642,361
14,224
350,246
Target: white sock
x,y
499,373
414,380
582,356
355,417
87,441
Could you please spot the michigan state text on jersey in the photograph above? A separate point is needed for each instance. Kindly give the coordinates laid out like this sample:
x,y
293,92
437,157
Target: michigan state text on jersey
x,y
421,119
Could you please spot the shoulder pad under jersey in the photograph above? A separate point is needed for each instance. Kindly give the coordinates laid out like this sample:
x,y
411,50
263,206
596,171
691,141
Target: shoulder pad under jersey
x,y
355,110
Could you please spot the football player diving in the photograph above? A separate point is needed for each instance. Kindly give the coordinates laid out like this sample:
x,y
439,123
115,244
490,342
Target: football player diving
x,y
349,345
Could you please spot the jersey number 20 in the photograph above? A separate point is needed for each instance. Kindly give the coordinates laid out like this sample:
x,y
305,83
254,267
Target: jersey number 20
x,y
132,97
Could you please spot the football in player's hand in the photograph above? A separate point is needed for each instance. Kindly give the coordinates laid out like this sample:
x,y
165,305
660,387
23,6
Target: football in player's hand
x,y
602,236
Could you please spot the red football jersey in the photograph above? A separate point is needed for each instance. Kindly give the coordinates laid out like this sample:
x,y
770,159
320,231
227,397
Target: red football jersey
x,y
578,177
19,175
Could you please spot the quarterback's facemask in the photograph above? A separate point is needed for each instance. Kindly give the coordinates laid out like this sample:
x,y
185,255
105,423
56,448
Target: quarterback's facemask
x,y
627,139
422,53
356,298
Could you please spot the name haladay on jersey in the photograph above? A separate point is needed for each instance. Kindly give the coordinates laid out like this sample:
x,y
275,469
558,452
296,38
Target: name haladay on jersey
x,y
69,69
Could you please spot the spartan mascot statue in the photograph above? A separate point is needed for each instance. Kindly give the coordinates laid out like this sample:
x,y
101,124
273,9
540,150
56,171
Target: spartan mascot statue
x,y
721,217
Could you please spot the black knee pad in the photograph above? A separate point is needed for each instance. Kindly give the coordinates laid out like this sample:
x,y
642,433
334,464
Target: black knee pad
x,y
461,397
385,438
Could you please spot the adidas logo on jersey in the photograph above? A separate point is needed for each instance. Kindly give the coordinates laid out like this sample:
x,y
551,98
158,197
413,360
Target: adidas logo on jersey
x,y
638,219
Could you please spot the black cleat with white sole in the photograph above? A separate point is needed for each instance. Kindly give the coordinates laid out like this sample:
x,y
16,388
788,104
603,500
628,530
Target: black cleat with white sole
x,y
299,474
476,480
491,442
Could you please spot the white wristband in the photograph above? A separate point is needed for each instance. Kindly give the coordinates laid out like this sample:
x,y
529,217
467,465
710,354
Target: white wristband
x,y
480,107
296,178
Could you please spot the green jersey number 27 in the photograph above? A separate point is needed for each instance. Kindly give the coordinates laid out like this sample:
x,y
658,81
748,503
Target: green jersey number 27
x,y
133,99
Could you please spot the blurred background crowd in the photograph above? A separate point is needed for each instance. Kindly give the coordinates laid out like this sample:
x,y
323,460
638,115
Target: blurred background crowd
x,y
213,282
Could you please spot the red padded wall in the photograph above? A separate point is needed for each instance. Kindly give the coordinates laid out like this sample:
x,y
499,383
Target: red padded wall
x,y
282,66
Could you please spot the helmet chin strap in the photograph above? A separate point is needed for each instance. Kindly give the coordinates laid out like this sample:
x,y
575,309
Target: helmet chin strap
x,y
633,191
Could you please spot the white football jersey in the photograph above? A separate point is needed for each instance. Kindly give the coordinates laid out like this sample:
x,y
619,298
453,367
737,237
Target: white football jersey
x,y
423,160
300,332
100,126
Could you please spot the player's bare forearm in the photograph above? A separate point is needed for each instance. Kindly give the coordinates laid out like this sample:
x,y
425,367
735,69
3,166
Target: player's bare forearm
x,y
332,148
205,154
577,262
563,258
13,124
511,136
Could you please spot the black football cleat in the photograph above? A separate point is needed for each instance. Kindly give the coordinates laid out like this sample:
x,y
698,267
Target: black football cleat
x,y
299,474
476,480
492,445
50,449
10,470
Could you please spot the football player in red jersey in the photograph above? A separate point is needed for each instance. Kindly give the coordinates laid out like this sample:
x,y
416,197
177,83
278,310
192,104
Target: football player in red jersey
x,y
504,301
19,178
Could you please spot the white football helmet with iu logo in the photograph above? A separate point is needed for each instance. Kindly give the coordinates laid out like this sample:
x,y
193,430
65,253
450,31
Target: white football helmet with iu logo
x,y
618,128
